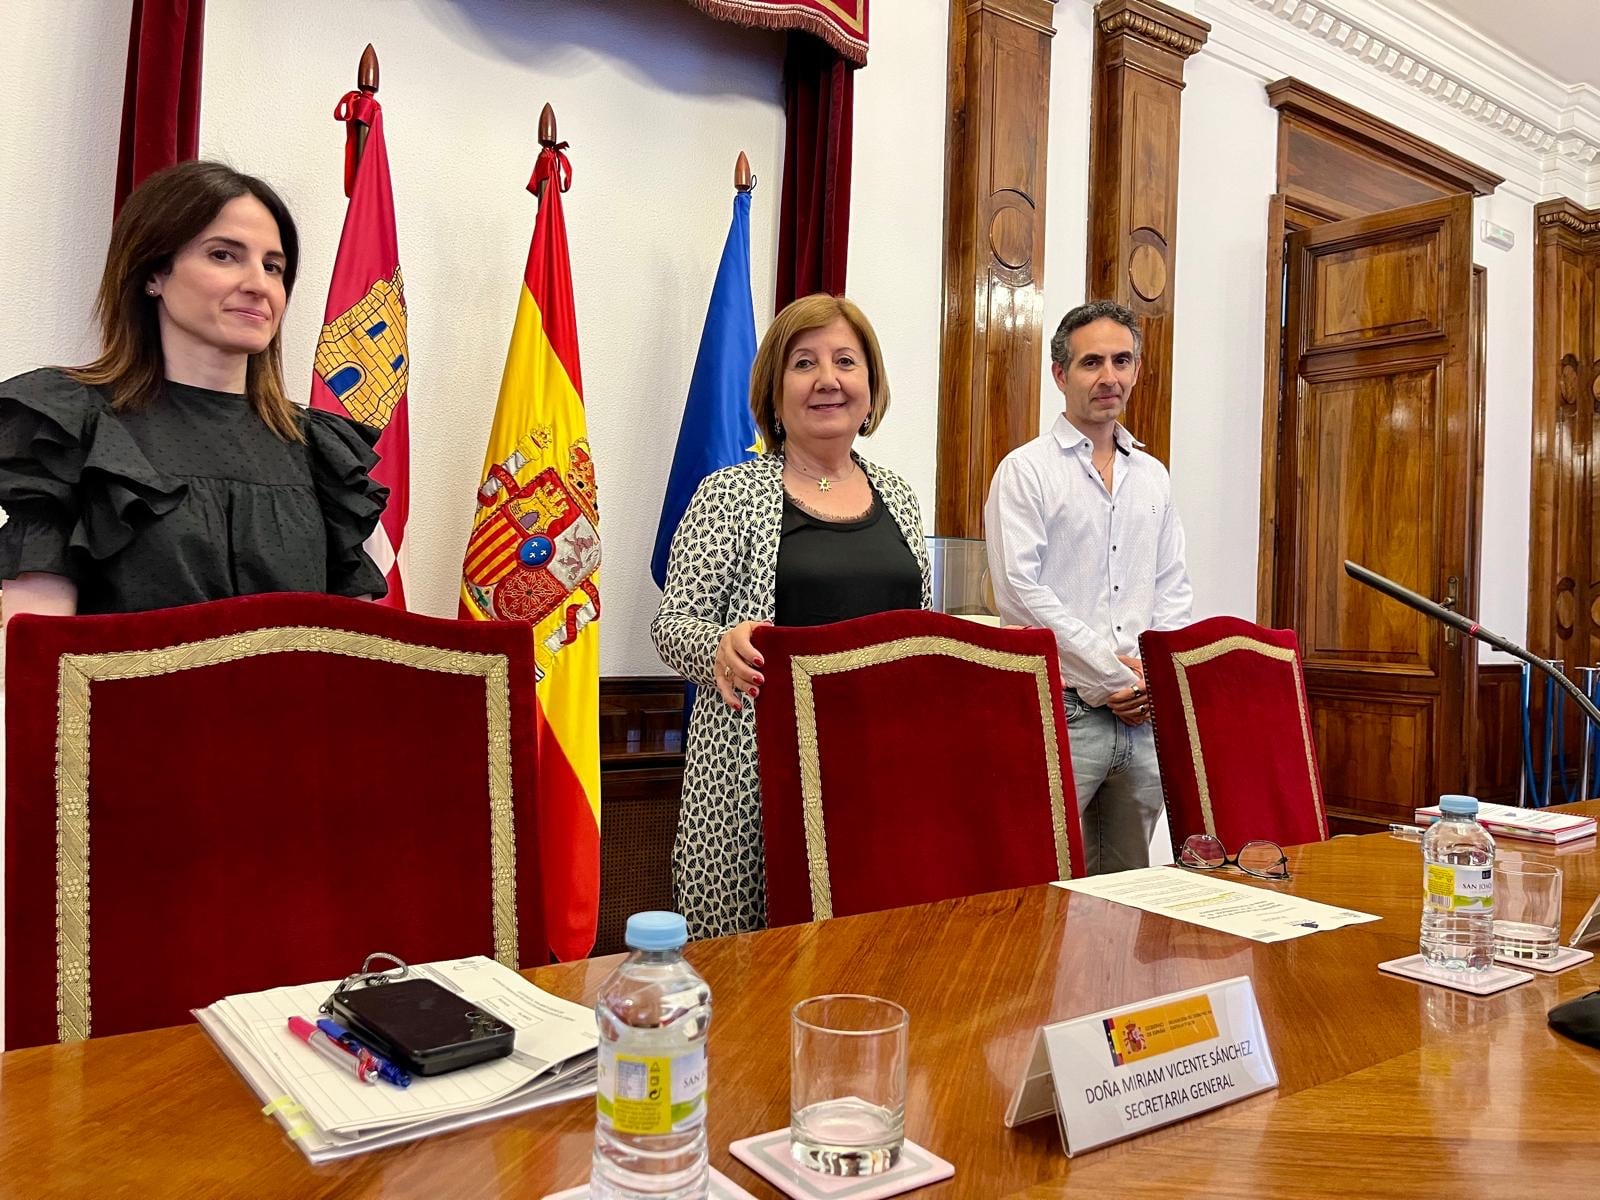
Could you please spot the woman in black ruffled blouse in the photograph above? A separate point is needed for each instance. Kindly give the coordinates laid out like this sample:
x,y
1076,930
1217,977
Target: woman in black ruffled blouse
x,y
174,468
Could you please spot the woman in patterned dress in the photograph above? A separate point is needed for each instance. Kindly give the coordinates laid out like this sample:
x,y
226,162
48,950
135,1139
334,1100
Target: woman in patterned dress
x,y
808,533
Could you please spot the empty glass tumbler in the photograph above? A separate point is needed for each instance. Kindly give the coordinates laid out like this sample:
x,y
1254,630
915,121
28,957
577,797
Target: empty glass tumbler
x,y
1527,910
847,1084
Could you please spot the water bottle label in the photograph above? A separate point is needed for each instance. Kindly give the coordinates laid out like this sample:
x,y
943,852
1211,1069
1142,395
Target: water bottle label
x,y
645,1094
1458,889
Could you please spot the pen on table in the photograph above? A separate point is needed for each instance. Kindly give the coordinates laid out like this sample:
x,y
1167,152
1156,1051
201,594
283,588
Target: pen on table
x,y
387,1071
1406,831
362,1066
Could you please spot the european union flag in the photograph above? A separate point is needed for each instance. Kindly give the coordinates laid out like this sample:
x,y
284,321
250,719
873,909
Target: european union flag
x,y
717,429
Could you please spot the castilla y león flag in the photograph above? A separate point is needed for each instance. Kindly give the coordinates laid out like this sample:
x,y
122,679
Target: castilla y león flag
x,y
534,555
362,364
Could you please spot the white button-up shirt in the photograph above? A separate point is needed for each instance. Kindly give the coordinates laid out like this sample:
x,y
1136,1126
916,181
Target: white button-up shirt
x,y
1095,568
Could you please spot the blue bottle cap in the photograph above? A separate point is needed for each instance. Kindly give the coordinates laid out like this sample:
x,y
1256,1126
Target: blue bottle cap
x,y
656,931
1459,806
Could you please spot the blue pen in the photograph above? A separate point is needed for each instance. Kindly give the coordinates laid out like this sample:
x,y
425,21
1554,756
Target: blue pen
x,y
387,1071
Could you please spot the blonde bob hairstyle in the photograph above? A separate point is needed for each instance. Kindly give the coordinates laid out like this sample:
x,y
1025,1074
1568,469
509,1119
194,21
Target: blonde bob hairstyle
x,y
766,377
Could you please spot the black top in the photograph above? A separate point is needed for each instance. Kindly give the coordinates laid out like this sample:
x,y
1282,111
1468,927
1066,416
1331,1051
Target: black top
x,y
190,498
834,570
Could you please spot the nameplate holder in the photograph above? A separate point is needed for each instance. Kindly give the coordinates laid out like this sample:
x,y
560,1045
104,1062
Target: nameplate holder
x,y
1587,932
1124,1071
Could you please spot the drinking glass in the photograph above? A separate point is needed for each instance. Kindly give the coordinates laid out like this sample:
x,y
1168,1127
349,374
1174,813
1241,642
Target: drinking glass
x,y
1527,910
847,1084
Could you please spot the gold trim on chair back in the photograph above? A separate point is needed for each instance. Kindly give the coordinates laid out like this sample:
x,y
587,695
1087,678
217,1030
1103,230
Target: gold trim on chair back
x,y
808,666
79,671
1185,659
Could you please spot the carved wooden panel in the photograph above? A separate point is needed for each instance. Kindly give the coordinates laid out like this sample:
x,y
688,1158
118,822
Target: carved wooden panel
x,y
1370,294
1379,466
1495,736
1370,457
1564,565
1337,178
1365,790
990,343
1564,561
1336,161
1140,48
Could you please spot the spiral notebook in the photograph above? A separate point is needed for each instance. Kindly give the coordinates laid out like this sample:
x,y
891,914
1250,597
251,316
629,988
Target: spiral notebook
x,y
329,1114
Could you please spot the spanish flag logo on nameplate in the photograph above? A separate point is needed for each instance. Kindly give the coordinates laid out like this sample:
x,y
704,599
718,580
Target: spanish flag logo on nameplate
x,y
1136,1035
1121,1072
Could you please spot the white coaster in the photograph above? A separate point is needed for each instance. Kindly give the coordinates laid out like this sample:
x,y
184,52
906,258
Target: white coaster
x,y
1474,983
767,1154
1565,956
722,1188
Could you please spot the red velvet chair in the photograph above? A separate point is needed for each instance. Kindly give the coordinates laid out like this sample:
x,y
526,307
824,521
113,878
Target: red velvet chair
x,y
908,757
1233,733
256,792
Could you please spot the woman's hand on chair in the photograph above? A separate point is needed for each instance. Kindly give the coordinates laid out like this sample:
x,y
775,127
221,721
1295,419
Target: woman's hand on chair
x,y
737,666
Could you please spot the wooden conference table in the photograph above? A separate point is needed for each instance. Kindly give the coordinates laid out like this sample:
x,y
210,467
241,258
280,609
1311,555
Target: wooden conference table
x,y
1387,1088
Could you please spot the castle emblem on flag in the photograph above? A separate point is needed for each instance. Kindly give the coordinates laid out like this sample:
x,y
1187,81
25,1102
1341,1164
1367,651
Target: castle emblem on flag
x,y
536,545
361,354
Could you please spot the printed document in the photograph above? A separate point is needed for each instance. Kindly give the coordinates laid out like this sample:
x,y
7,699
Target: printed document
x,y
1215,902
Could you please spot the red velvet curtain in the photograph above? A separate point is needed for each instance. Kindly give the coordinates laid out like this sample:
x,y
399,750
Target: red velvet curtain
x,y
161,95
814,220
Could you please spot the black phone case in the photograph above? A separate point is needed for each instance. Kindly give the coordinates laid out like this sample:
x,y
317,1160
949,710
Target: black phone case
x,y
418,1025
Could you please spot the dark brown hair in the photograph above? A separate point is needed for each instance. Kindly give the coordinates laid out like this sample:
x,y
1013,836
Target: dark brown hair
x,y
167,212
766,376
1087,314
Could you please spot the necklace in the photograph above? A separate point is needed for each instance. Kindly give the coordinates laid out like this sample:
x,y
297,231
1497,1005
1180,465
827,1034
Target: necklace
x,y
1101,470
824,484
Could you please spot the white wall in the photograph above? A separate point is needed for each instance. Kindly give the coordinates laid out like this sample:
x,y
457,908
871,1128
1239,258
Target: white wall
x,y
897,226
60,113
1508,422
1219,303
656,100
1066,197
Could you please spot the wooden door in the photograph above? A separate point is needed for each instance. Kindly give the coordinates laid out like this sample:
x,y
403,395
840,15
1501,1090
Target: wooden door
x,y
1377,465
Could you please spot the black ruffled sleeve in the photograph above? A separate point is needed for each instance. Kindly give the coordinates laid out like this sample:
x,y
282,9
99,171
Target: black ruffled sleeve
x,y
342,459
74,485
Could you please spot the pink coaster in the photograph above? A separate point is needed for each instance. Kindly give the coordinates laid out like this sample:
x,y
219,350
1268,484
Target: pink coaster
x,y
767,1154
1564,957
722,1188
1474,983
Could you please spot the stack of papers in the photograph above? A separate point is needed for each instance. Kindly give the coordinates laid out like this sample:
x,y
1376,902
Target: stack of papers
x,y
330,1114
1524,824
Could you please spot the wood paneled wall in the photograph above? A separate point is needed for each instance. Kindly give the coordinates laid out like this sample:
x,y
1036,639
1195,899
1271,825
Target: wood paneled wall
x,y
1564,520
1564,565
1140,49
990,351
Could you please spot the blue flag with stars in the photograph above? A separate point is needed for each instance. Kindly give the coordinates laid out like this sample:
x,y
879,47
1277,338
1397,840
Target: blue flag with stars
x,y
717,429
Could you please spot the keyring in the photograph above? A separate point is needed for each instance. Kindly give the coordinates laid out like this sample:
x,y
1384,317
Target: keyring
x,y
367,977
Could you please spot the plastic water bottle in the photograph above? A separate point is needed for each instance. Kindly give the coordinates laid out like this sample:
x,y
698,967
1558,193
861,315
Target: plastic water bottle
x,y
650,1103
1458,889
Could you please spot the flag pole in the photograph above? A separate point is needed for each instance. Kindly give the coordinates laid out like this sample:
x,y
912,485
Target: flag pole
x,y
367,85
743,180
548,140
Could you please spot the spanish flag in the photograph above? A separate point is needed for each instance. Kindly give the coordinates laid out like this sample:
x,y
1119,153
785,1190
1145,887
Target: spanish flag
x,y
534,555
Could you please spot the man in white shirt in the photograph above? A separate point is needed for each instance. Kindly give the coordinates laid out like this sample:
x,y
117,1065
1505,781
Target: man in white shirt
x,y
1084,540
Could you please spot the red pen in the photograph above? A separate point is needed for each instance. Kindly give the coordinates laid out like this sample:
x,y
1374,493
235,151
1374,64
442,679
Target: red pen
x,y
358,1062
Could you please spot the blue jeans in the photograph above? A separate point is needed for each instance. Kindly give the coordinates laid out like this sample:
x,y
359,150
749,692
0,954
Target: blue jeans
x,y
1119,785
